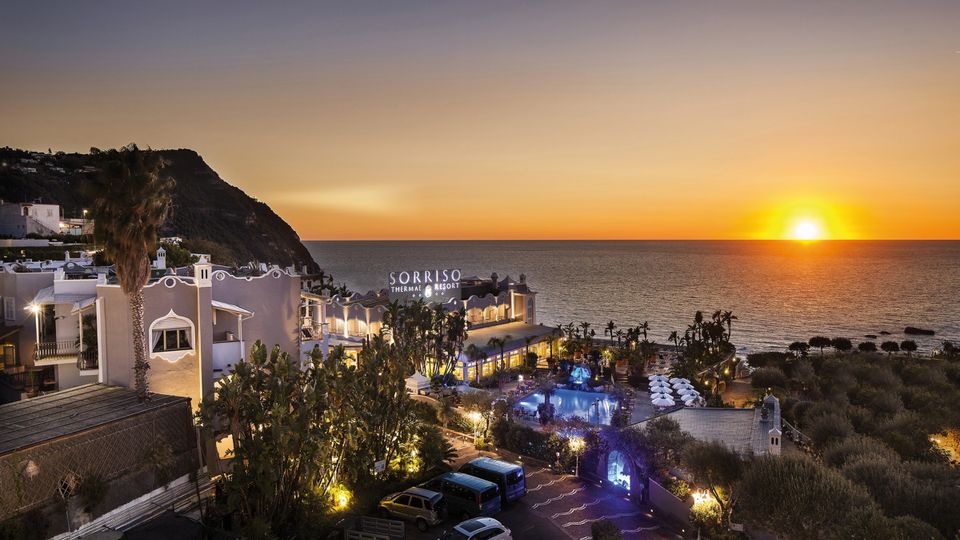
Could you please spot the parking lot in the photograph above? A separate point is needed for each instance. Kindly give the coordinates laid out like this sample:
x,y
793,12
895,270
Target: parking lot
x,y
562,506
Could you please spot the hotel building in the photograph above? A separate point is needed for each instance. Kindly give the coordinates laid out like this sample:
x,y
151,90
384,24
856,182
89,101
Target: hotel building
x,y
494,308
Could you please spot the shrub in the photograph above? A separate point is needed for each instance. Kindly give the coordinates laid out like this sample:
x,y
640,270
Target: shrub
x,y
841,452
828,428
605,530
768,377
91,489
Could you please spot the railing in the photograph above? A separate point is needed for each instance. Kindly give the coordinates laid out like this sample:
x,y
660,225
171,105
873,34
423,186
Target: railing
x,y
55,349
87,360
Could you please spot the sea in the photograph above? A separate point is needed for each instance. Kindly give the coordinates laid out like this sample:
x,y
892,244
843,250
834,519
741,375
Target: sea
x,y
780,291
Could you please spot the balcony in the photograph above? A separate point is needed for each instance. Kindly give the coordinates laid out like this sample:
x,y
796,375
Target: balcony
x,y
50,353
225,355
56,352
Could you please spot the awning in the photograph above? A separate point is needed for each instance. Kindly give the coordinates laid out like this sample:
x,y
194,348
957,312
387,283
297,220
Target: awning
x,y
83,304
47,296
236,310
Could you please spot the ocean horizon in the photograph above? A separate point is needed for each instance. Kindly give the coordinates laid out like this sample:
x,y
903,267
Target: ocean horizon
x,y
781,291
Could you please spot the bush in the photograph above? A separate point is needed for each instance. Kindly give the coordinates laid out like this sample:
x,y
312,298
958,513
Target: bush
x,y
605,530
768,377
828,428
857,447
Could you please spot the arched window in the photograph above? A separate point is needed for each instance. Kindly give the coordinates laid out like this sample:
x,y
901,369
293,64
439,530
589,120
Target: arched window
x,y
474,316
618,470
172,337
490,314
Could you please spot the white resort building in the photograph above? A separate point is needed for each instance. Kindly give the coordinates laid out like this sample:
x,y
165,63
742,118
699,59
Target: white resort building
x,y
494,308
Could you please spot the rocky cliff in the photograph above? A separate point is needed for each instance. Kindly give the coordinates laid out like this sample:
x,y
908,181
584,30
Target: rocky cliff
x,y
208,213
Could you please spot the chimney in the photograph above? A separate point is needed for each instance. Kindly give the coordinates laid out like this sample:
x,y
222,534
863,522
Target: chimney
x,y
161,262
201,272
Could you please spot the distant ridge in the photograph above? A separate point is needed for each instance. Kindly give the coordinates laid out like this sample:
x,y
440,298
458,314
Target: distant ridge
x,y
211,215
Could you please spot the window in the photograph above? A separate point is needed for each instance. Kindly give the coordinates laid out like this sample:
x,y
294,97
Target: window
x,y
177,339
490,533
403,500
171,337
9,309
416,502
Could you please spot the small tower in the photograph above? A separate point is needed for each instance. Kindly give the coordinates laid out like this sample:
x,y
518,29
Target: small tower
x,y
773,440
201,272
161,262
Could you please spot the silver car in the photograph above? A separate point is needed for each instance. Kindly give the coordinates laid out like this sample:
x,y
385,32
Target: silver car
x,y
421,506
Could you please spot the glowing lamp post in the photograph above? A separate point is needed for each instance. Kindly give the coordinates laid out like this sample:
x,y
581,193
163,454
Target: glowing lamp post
x,y
577,444
475,418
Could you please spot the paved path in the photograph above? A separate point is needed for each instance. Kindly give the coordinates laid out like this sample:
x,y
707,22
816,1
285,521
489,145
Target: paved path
x,y
561,507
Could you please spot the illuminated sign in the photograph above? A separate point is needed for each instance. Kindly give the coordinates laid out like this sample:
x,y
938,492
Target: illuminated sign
x,y
432,286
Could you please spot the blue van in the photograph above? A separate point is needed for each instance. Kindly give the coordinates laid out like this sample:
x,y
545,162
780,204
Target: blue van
x,y
509,477
467,496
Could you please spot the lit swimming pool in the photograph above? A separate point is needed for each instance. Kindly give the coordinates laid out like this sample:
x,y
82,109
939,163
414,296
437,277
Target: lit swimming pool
x,y
570,403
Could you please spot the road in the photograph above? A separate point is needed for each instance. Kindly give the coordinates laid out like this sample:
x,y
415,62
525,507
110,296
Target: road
x,y
562,507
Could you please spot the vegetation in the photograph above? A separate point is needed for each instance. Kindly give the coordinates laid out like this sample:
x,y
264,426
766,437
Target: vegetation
x,y
605,530
178,256
430,339
132,201
210,215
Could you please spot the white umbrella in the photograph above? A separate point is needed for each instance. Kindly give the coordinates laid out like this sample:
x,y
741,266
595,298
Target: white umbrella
x,y
683,387
660,395
663,402
658,388
679,381
658,378
688,399
659,384
675,379
688,392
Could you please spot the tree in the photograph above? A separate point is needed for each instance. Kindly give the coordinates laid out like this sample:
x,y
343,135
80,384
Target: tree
x,y
605,530
718,468
477,357
909,346
768,377
178,256
867,347
799,348
820,342
131,201
841,344
890,347
500,343
797,498
288,443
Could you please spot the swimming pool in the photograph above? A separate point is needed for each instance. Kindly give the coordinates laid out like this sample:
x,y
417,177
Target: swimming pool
x,y
574,403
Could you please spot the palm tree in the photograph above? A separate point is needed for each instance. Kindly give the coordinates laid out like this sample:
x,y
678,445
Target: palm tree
x,y
499,342
675,339
608,330
644,326
476,355
131,201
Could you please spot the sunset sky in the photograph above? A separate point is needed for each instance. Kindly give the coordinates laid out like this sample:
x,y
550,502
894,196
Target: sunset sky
x,y
513,119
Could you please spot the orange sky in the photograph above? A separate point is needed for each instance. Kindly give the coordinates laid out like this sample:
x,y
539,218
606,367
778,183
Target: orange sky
x,y
521,120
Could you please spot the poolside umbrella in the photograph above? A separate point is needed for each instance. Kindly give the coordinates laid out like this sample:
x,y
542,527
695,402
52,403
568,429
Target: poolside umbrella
x,y
660,390
689,398
688,392
663,402
675,380
683,387
659,385
658,378
660,395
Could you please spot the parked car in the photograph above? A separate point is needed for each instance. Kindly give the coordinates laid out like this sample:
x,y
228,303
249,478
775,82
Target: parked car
x,y
467,496
478,529
421,506
509,477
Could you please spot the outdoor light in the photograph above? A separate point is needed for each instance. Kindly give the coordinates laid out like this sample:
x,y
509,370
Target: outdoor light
x,y
34,308
577,445
520,378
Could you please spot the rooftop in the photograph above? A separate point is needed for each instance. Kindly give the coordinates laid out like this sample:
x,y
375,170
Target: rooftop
x,y
741,430
41,419
517,331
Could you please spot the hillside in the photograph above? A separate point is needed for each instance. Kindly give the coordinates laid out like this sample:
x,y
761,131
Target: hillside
x,y
211,215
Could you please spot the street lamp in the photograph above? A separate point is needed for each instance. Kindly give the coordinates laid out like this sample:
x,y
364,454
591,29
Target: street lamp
x,y
577,444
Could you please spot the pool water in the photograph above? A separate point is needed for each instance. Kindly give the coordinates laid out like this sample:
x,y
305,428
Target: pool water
x,y
570,403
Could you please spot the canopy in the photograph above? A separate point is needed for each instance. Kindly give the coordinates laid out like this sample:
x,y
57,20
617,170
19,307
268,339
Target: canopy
x,y
417,382
663,402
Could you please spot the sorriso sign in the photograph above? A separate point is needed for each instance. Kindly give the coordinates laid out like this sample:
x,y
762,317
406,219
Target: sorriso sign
x,y
429,285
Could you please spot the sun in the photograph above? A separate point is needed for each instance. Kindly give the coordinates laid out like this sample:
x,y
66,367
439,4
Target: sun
x,y
806,231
